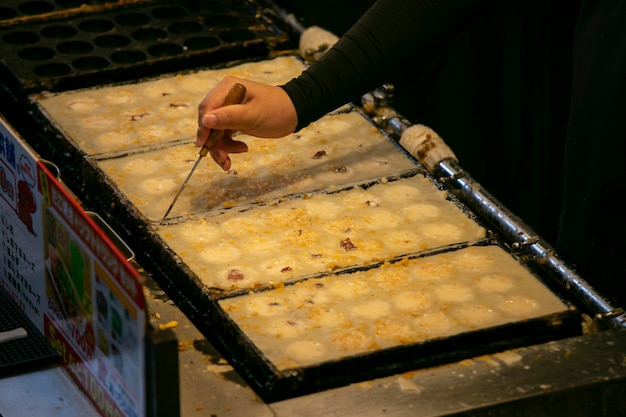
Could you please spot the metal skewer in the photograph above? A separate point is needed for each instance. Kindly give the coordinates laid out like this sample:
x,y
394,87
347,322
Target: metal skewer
x,y
235,96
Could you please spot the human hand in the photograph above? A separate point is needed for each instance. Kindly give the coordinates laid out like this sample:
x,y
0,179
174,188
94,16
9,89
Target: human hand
x,y
266,111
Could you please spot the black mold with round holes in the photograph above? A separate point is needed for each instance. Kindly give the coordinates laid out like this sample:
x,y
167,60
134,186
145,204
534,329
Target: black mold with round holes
x,y
13,11
126,42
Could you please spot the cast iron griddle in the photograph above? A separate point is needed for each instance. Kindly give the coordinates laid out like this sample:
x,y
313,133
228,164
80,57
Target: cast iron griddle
x,y
201,304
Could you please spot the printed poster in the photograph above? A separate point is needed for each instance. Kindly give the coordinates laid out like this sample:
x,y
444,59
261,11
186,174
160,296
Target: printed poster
x,y
71,281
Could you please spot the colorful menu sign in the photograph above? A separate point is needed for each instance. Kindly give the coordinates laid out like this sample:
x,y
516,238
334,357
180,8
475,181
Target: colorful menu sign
x,y
70,280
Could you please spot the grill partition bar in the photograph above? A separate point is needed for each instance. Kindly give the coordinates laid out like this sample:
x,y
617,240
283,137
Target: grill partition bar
x,y
429,149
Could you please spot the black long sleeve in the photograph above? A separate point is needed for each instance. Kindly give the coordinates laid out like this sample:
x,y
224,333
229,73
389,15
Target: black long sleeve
x,y
380,41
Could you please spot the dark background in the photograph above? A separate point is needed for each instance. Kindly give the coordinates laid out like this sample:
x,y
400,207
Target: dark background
x,y
498,96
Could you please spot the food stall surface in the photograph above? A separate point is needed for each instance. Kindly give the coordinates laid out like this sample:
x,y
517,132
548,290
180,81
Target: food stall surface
x,y
579,376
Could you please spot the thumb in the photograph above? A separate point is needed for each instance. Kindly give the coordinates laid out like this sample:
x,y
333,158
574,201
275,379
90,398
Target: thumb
x,y
226,118
210,121
217,119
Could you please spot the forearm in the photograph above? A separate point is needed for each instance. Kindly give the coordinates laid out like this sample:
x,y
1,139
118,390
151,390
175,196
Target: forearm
x,y
388,34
